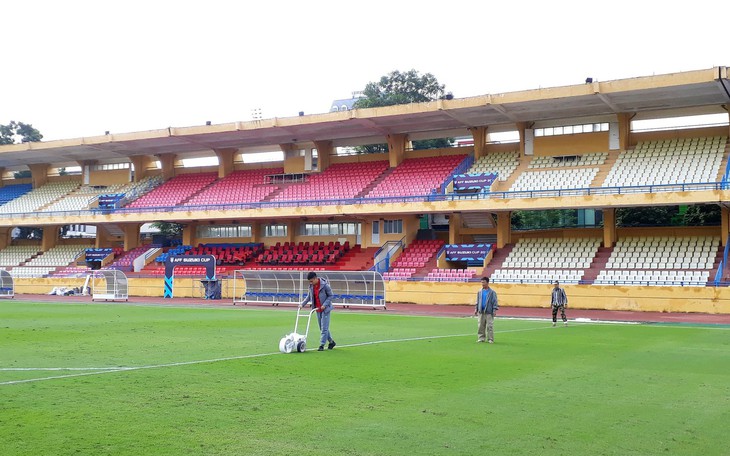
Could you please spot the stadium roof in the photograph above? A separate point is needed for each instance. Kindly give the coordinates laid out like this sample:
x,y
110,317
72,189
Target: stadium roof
x,y
677,93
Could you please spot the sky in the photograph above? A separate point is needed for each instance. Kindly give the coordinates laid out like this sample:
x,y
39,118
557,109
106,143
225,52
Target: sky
x,y
80,68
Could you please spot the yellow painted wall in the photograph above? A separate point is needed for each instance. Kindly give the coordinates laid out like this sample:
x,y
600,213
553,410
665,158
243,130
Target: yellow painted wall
x,y
294,165
109,177
676,134
571,144
655,299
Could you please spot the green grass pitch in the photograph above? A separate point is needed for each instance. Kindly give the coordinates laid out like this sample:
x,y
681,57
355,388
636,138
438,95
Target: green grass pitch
x,y
118,379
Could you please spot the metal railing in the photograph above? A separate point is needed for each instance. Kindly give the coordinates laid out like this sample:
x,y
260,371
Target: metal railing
x,y
435,197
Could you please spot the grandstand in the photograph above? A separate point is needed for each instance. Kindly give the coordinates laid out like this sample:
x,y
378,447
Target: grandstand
x,y
322,207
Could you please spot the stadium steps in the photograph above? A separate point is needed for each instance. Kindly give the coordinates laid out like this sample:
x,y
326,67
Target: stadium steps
x,y
281,188
113,230
504,186
605,168
723,163
430,265
598,264
498,259
478,220
375,182
357,259
189,198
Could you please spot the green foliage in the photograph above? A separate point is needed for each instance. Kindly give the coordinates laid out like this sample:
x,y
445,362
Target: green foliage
x,y
211,381
25,132
25,174
402,88
646,216
702,215
170,229
542,220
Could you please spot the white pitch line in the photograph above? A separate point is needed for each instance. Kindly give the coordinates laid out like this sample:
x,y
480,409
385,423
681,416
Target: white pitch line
x,y
109,370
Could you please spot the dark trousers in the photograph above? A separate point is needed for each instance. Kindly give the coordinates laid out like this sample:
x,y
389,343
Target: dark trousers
x,y
562,313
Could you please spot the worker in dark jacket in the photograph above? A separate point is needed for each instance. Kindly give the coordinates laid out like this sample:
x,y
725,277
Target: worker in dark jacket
x,y
559,301
320,297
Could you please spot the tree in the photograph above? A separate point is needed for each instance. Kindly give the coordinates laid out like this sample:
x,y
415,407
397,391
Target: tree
x,y
702,215
402,88
541,220
170,229
646,216
13,130
22,174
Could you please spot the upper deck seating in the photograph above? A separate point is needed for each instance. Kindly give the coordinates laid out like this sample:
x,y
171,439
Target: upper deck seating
x,y
670,161
246,186
502,163
417,176
555,179
175,190
10,192
591,159
39,197
339,181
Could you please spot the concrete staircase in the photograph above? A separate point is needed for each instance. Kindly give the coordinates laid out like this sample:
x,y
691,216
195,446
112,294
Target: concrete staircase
x,y
598,264
357,259
375,182
605,168
498,259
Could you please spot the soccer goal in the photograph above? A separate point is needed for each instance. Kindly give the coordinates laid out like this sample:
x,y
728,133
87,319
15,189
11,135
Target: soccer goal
x,y
7,285
349,288
109,285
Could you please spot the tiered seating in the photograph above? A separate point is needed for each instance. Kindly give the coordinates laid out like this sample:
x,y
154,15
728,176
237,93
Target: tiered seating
x,y
81,198
46,263
415,256
10,192
41,196
661,260
450,275
417,176
72,271
339,181
15,254
303,253
548,259
175,190
555,179
671,161
124,260
238,187
502,163
594,159
228,254
179,250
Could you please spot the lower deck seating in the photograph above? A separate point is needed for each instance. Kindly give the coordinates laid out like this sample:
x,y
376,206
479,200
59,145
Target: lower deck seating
x,y
303,253
414,256
450,275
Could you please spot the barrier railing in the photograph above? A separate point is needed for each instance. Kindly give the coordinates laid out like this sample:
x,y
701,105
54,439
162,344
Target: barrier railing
x,y
723,263
384,254
462,168
546,193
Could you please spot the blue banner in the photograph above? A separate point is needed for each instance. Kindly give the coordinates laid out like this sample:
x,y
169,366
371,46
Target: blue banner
x,y
474,181
208,261
466,252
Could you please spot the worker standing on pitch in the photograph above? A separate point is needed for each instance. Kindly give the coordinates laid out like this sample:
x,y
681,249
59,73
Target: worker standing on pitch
x,y
320,295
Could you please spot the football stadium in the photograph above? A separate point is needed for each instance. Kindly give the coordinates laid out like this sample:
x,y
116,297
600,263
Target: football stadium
x,y
121,339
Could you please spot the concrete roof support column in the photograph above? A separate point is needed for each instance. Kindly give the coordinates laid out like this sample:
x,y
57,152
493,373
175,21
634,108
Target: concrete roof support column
x,y
167,161
255,231
521,127
724,224
5,233
609,227
50,237
480,141
455,225
2,171
624,129
141,163
504,229
397,149
225,161
131,235
289,150
85,169
324,151
39,174
102,238
190,234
